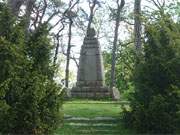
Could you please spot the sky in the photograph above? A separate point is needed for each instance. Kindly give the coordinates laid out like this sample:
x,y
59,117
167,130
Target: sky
x,y
125,32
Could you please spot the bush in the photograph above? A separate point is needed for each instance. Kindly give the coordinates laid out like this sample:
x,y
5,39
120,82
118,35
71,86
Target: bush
x,y
155,105
31,105
30,100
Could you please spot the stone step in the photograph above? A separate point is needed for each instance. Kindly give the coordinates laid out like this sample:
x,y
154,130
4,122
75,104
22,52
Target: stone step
x,y
94,133
92,120
98,132
92,125
97,126
97,102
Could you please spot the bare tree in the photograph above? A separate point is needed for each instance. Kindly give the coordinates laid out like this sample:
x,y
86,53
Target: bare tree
x,y
67,13
120,6
57,38
92,12
70,15
68,53
137,25
159,4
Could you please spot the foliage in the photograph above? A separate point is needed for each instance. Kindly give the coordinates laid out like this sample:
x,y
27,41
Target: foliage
x,y
124,67
30,100
172,8
155,104
31,105
39,50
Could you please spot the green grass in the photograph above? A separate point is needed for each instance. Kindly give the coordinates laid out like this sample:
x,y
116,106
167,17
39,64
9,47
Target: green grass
x,y
70,130
92,109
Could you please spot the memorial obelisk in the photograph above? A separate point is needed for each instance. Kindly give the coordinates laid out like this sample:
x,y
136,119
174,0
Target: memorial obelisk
x,y
90,77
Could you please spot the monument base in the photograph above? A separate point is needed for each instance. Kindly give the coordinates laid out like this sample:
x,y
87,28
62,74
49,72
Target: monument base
x,y
91,92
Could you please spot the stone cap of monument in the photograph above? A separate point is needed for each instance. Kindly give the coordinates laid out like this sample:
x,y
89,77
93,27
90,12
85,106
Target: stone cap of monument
x,y
90,41
91,33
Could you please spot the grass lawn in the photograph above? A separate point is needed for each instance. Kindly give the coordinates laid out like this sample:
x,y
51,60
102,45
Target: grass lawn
x,y
89,110
93,109
71,130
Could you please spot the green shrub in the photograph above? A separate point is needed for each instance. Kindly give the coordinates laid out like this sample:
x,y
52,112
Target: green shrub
x,y
32,104
155,105
30,100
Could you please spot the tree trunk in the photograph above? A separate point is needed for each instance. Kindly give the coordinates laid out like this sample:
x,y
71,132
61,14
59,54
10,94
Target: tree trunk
x,y
15,6
56,51
114,50
29,8
68,53
119,9
137,25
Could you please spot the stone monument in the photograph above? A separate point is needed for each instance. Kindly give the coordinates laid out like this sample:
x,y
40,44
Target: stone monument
x,y
90,77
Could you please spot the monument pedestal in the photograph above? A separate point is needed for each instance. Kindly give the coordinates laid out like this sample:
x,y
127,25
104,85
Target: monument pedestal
x,y
91,92
90,77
